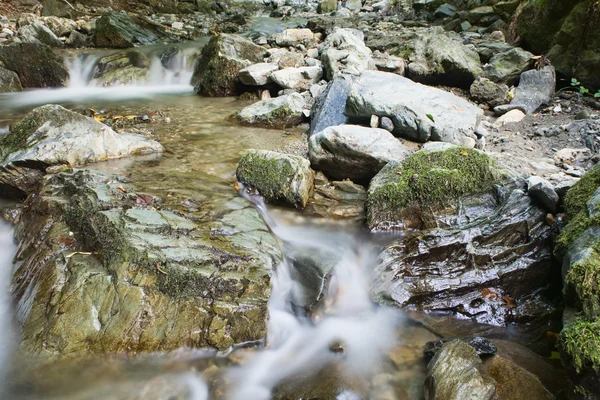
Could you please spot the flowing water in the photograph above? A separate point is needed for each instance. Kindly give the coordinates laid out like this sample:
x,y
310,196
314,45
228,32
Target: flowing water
x,y
347,347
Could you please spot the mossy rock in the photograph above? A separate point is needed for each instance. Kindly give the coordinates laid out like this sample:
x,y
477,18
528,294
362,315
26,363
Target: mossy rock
x,y
121,68
216,73
279,112
276,176
579,343
36,65
426,180
118,30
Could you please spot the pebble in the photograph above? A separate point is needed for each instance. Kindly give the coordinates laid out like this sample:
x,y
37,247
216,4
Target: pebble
x,y
386,123
374,121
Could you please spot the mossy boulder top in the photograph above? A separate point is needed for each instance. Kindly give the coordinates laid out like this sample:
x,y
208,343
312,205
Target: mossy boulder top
x,y
36,65
52,135
401,194
277,177
221,60
114,272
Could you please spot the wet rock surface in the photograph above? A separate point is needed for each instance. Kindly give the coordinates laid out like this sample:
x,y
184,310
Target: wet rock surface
x,y
119,30
36,65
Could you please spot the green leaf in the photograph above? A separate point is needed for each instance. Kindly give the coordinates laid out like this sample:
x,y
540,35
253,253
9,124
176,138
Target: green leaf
x,y
597,94
575,82
430,117
583,90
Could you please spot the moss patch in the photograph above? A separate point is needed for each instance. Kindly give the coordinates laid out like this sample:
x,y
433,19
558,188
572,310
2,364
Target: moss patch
x,y
582,191
581,341
584,278
429,178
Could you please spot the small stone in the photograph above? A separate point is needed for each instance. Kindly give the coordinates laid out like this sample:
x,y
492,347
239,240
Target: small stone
x,y
386,123
498,36
177,25
583,114
374,121
483,346
510,117
541,190
465,26
312,53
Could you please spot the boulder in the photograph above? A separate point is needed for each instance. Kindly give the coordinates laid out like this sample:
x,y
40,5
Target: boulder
x,y
445,11
9,81
485,91
426,180
476,15
279,112
510,117
122,275
38,33
257,74
422,113
277,176
456,373
507,67
536,87
285,58
327,6
387,63
297,78
122,68
77,40
58,8
344,51
60,26
354,152
328,109
292,37
434,56
118,30
52,135
543,191
514,382
36,65
221,60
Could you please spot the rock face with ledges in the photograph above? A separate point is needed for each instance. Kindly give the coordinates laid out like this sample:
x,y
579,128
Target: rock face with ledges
x,y
111,274
221,60
52,135
420,113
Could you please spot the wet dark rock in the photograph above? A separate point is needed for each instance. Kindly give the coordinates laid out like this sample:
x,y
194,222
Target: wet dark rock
x,y
216,72
52,135
536,88
354,152
483,346
36,65
423,113
119,30
127,277
329,106
58,8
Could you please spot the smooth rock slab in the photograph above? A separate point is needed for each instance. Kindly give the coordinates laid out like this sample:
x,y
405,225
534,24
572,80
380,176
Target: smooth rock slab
x,y
353,152
280,112
292,37
329,106
419,112
277,176
303,77
52,135
257,74
536,87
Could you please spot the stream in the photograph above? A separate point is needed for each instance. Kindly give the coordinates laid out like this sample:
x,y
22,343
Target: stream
x,y
347,347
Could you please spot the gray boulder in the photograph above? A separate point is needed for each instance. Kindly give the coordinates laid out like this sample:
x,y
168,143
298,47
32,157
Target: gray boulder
x,y
277,176
52,135
421,113
58,8
39,33
456,373
257,74
36,65
9,81
354,152
60,26
292,37
543,191
507,67
221,60
328,109
345,52
297,78
485,91
118,30
279,112
536,87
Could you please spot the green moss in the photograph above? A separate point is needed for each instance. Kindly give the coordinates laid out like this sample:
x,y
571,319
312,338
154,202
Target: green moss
x,y
582,191
430,178
584,278
270,174
581,341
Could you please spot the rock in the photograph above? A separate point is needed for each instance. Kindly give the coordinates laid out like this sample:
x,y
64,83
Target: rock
x,y
344,52
216,72
9,81
426,179
353,152
277,176
434,56
485,91
513,381
456,373
38,33
177,25
118,30
387,124
465,26
445,11
422,113
374,123
295,78
536,87
60,26
476,15
285,58
498,36
506,7
483,346
328,109
122,68
257,74
129,277
541,190
36,65
77,40
507,67
279,112
292,37
52,135
327,6
312,53
510,117
385,62
57,8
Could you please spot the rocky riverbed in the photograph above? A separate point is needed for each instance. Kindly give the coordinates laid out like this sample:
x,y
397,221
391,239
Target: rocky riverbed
x,y
431,180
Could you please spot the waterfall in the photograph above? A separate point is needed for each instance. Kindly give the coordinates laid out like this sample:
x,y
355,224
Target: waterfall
x,y
7,251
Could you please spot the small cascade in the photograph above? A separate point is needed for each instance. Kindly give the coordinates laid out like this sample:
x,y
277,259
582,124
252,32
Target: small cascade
x,y
7,251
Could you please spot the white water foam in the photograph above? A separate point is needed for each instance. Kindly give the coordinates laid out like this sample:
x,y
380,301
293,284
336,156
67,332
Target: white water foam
x,y
7,252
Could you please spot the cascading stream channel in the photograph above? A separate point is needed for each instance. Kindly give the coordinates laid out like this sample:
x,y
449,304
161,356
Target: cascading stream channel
x,y
363,331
